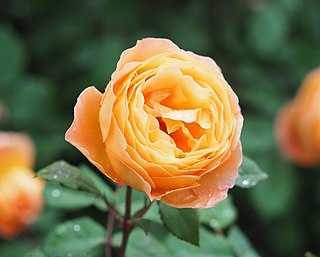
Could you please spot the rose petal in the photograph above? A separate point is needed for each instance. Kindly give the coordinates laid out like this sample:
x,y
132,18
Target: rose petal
x,y
207,61
166,184
145,49
85,134
127,168
213,187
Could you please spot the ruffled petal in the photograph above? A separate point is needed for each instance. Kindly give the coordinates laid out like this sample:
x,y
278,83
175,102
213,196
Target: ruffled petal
x,y
213,187
145,49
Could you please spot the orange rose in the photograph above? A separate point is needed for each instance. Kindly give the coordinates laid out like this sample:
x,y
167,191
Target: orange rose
x,y
20,191
298,124
168,124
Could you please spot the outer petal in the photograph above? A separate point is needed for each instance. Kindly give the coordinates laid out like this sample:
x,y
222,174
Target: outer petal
x,y
289,140
145,49
207,61
213,187
15,150
85,134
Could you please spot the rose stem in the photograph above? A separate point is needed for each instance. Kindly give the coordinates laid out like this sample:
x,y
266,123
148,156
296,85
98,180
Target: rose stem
x,y
113,210
126,225
110,223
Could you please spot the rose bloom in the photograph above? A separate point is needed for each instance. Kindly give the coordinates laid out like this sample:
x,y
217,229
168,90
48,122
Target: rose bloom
x,y
168,125
298,124
20,191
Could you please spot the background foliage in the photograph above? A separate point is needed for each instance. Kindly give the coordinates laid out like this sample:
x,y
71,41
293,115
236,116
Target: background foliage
x,y
51,50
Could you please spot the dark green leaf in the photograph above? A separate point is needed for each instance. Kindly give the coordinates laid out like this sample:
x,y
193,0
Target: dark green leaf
x,y
249,174
144,224
57,196
220,216
81,237
210,245
182,223
240,244
69,176
141,245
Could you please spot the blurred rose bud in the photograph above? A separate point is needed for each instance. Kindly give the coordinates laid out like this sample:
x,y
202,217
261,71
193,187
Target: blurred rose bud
x,y
20,191
168,124
298,124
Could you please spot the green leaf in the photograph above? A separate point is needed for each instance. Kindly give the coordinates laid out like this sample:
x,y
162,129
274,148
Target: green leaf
x,y
57,196
140,245
144,224
37,252
81,237
182,223
211,245
153,214
240,244
69,176
249,174
220,216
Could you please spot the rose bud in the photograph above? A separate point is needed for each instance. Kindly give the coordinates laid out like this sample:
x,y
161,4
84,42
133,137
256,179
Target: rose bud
x,y
298,124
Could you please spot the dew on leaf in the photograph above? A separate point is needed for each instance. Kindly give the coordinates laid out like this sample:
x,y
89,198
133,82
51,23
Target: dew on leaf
x,y
76,227
55,193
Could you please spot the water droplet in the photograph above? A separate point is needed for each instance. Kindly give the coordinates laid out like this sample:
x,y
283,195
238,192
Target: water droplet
x,y
55,193
245,182
55,176
69,255
76,227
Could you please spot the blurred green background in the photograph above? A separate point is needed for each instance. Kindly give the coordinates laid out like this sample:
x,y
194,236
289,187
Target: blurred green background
x,y
51,50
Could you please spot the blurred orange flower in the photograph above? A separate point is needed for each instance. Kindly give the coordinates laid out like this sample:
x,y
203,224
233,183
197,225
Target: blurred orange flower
x,y
298,124
168,124
20,192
